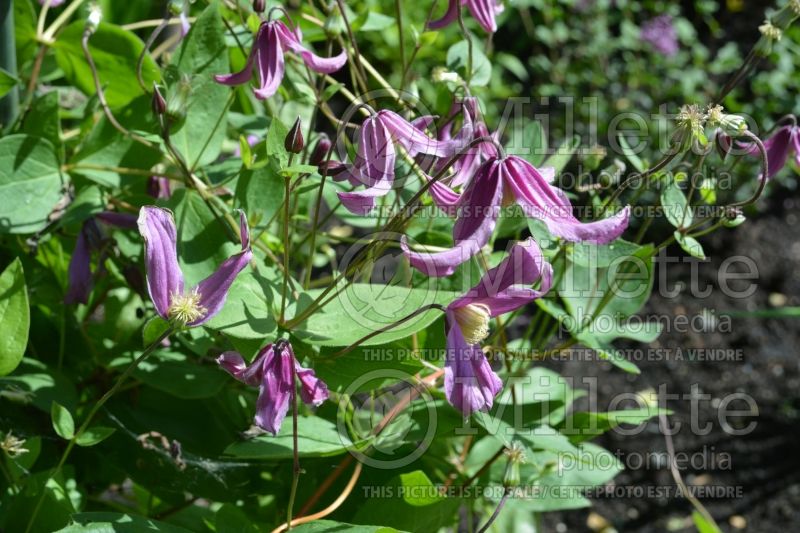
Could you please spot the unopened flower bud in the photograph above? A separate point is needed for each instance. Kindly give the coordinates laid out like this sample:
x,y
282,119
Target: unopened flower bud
x,y
94,18
158,103
516,457
320,152
259,6
331,168
176,7
294,139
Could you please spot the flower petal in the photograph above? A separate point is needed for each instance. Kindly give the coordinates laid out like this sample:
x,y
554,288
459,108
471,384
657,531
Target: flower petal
x,y
323,65
478,212
79,283
541,200
414,140
269,56
234,364
484,12
374,167
164,276
313,390
450,16
214,289
118,220
275,391
507,286
244,75
470,384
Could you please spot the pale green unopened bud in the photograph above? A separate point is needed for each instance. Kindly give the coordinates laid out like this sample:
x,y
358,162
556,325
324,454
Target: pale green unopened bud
x,y
516,456
733,125
176,7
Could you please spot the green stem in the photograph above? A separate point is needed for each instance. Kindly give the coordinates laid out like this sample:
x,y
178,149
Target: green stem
x,y
97,406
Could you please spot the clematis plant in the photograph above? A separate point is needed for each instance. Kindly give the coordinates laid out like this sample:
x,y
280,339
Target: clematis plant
x,y
470,384
502,181
272,40
165,279
273,371
484,11
376,156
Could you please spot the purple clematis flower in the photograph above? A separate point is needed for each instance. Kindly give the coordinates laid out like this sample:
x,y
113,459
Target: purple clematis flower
x,y
501,181
271,41
470,384
779,146
159,188
91,238
273,371
660,34
165,279
484,11
375,156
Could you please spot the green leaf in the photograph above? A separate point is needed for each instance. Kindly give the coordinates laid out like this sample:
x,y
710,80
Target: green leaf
x,y
600,255
7,82
153,329
675,206
563,154
373,21
202,54
25,30
248,312
329,526
420,490
117,523
175,374
15,317
533,142
30,183
62,421
458,59
632,156
43,118
582,426
363,308
276,142
316,437
115,52
703,525
690,245
260,193
94,435
34,383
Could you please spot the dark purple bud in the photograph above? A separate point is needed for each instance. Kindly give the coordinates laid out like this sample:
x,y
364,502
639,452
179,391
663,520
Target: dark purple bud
x,y
259,6
331,168
133,275
159,104
320,153
294,139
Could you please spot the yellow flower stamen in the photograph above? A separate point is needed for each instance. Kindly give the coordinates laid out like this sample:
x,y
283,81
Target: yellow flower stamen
x,y
186,308
473,319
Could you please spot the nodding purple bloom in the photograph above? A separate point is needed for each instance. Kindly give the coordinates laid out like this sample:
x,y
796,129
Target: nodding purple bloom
x,y
53,3
90,238
272,40
164,276
659,33
375,157
470,384
185,26
484,11
159,188
503,181
273,371
779,146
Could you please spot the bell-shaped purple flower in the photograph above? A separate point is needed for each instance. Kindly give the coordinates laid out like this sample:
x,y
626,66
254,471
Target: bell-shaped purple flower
x,y
165,279
375,157
502,181
273,372
272,40
91,237
484,11
470,384
779,146
159,188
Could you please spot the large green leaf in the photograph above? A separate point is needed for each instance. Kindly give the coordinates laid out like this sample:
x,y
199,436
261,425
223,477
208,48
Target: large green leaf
x,y
248,311
15,317
329,526
201,55
176,375
363,308
316,437
115,52
117,522
30,183
260,193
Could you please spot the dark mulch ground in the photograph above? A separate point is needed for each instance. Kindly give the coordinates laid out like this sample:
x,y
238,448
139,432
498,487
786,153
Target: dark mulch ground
x,y
764,463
